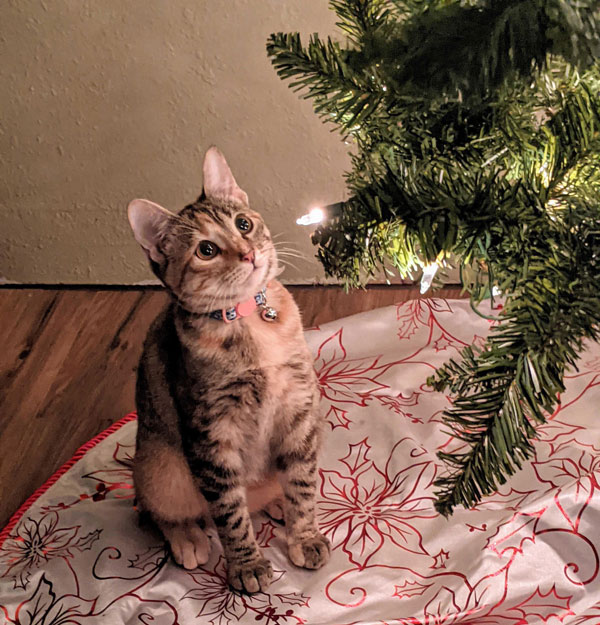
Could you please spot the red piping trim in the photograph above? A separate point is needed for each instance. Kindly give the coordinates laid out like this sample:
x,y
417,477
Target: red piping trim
x,y
79,454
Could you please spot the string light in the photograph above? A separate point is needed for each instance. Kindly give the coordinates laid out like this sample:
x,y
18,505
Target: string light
x,y
429,272
315,216
545,174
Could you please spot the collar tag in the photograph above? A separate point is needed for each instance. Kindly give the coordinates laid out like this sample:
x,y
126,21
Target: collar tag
x,y
243,309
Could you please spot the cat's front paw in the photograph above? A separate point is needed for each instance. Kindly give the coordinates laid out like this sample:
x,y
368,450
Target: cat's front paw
x,y
250,577
310,553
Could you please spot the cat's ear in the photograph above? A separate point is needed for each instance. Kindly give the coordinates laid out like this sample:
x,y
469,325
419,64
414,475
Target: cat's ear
x,y
148,222
219,182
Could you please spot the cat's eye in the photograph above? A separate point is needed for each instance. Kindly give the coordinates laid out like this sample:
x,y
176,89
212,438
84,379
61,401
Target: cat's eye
x,y
206,250
243,224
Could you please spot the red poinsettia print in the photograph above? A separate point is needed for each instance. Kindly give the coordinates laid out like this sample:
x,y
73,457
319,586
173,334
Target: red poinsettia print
x,y
557,522
344,380
364,506
574,478
528,554
36,541
568,426
219,605
117,480
46,607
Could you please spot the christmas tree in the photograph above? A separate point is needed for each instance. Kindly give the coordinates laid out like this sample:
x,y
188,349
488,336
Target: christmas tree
x,y
475,133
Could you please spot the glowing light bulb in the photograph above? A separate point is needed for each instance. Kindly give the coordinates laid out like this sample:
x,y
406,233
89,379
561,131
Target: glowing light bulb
x,y
545,174
314,216
428,275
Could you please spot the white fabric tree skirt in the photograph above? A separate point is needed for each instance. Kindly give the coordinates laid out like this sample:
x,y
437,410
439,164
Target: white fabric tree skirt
x,y
74,552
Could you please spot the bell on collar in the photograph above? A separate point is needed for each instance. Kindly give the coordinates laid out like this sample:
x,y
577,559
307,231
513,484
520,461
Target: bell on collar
x,y
269,314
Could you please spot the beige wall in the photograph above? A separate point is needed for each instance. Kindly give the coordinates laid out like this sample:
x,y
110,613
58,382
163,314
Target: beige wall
x,y
107,100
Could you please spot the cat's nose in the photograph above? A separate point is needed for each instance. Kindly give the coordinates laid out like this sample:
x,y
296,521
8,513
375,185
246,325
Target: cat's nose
x,y
249,257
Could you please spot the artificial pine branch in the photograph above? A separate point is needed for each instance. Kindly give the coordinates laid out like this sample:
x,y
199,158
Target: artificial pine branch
x,y
474,49
322,69
485,147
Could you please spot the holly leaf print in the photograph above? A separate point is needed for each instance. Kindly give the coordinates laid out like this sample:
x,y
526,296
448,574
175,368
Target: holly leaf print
x,y
266,533
446,341
124,454
357,459
540,607
85,543
419,312
513,534
439,560
293,598
407,325
336,417
575,481
410,589
21,580
511,500
149,560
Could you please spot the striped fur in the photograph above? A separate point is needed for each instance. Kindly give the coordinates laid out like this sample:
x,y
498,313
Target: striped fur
x,y
228,413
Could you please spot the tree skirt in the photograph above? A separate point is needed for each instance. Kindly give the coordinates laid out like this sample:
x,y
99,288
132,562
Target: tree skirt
x,y
74,553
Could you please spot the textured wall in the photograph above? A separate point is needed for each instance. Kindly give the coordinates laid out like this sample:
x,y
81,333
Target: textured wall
x,y
107,100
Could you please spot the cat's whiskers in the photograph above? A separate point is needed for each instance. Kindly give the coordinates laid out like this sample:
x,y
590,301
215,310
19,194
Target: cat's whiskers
x,y
274,247
289,263
285,246
291,254
278,244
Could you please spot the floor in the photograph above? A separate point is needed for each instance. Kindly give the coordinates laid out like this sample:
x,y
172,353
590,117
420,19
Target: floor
x,y
68,360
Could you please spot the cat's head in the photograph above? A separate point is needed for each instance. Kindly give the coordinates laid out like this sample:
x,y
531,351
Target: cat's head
x,y
215,252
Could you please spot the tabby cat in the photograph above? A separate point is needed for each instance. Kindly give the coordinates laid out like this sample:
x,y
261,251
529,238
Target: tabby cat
x,y
227,399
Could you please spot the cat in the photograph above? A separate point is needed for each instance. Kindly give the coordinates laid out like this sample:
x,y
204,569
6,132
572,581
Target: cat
x,y
227,397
